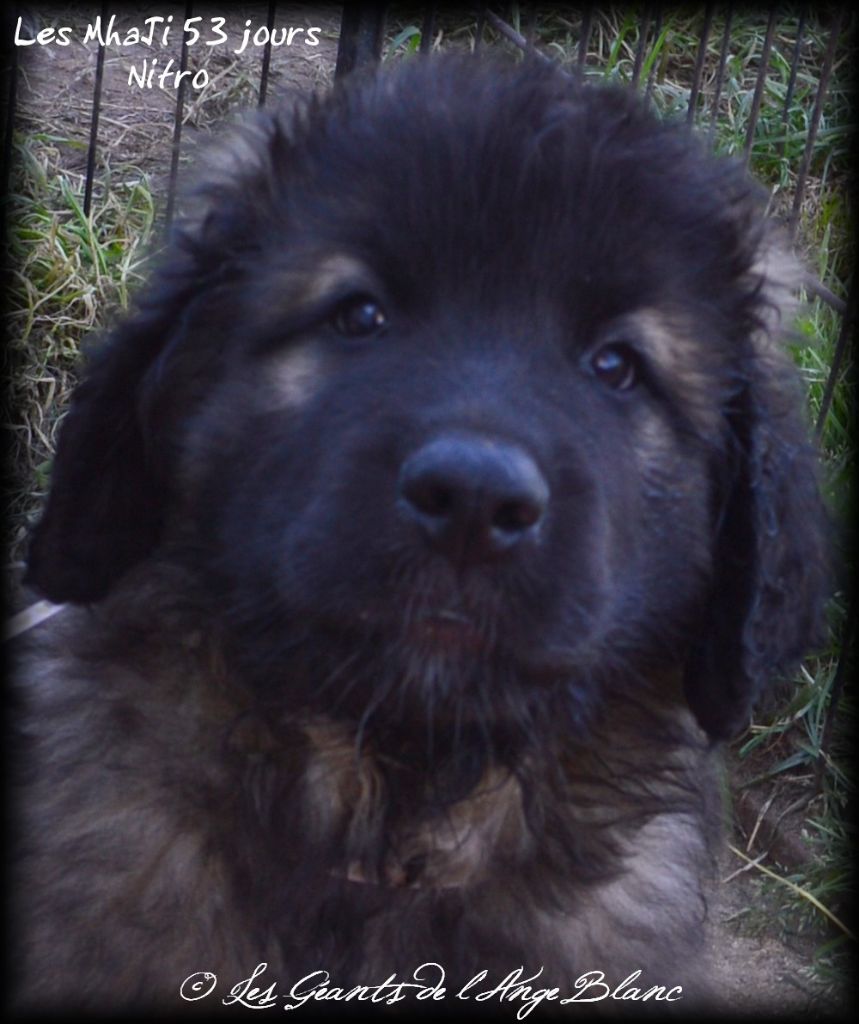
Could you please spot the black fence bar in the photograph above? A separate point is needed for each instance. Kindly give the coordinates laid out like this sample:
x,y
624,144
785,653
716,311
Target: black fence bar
x,y
642,46
720,73
657,31
585,37
10,96
757,99
266,55
791,83
816,115
481,24
428,29
699,63
837,688
811,284
362,28
177,123
515,37
847,323
94,119
531,22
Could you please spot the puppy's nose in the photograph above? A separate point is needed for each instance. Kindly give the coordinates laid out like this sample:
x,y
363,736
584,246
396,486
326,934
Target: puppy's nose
x,y
475,499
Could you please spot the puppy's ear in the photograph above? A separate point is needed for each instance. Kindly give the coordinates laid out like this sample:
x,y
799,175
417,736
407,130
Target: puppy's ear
x,y
111,475
105,508
772,558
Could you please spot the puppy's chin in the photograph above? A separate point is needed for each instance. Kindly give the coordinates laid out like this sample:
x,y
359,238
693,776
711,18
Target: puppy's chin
x,y
420,685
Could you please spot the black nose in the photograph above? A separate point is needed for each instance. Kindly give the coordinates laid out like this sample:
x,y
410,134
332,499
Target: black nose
x,y
475,499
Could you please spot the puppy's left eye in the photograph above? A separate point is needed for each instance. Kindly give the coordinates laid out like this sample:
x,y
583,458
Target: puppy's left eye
x,y
617,365
359,316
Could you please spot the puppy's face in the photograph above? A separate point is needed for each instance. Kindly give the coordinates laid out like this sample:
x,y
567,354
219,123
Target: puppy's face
x,y
474,478
461,403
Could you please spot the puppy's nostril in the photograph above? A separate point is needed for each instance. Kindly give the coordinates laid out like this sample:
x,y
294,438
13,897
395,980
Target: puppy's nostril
x,y
474,499
428,497
517,515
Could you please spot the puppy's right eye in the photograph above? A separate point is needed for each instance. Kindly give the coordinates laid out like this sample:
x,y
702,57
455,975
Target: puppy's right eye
x,y
617,366
359,316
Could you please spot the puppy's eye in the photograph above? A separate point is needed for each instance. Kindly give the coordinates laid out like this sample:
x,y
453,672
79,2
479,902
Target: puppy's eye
x,y
359,316
616,365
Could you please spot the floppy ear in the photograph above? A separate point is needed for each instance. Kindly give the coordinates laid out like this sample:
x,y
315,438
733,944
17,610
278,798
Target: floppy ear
x,y
110,480
106,504
772,560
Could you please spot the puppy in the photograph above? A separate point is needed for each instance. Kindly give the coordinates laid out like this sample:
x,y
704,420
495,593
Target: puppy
x,y
444,500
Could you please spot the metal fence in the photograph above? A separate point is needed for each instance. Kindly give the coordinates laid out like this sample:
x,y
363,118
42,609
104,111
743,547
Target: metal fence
x,y
362,37
364,32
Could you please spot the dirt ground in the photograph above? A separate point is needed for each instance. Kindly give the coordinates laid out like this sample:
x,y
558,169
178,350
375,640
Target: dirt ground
x,y
136,121
757,968
760,970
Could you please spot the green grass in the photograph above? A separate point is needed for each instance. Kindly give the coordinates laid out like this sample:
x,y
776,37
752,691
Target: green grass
x,y
67,270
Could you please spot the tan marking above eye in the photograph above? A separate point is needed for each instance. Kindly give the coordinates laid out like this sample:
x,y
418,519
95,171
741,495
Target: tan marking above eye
x,y
332,272
669,340
314,277
307,281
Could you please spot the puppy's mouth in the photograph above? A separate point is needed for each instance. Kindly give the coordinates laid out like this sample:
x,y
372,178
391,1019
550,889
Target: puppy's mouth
x,y
448,631
442,630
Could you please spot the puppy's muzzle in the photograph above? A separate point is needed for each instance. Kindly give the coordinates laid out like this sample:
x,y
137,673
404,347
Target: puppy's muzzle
x,y
475,499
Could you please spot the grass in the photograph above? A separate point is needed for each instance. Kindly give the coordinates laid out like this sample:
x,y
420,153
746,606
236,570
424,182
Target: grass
x,y
67,269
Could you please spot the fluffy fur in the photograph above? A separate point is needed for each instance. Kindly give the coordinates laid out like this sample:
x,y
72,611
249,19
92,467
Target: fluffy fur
x,y
444,501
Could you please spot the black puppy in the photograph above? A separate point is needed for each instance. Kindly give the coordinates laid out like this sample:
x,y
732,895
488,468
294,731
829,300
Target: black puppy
x,y
444,499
